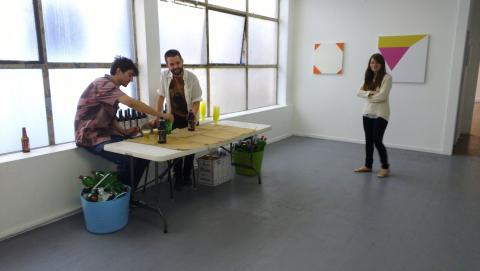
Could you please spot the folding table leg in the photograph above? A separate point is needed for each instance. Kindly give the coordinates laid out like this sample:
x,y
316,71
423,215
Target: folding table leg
x,y
145,205
146,178
169,177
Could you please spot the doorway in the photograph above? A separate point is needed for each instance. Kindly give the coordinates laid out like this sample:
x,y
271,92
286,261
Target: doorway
x,y
475,127
469,144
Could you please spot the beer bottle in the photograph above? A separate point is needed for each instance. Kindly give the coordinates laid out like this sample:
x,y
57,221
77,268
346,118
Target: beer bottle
x,y
162,131
126,117
135,116
191,121
129,117
116,188
93,196
98,174
120,115
25,141
103,195
88,181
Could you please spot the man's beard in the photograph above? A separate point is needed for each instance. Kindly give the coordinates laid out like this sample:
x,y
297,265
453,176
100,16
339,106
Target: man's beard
x,y
177,71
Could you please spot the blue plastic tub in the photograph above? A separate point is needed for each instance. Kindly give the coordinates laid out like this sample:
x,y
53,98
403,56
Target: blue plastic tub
x,y
106,216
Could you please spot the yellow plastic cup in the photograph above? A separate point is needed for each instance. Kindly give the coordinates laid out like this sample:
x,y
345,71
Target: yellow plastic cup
x,y
216,114
146,134
203,110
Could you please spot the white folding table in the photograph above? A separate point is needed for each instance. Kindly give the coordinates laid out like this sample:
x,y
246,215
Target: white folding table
x,y
158,154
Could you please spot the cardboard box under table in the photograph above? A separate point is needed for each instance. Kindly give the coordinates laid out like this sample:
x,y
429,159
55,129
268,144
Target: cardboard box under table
x,y
214,169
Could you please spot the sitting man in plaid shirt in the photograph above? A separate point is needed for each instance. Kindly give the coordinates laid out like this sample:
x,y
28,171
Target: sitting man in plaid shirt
x,y
95,120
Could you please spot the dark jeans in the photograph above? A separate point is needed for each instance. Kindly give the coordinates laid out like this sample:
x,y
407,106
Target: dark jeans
x,y
122,161
374,131
182,169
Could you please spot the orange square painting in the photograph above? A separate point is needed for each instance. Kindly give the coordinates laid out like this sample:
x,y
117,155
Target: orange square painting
x,y
328,58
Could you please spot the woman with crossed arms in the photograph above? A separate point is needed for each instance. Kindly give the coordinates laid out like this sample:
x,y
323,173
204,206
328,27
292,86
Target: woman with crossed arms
x,y
375,89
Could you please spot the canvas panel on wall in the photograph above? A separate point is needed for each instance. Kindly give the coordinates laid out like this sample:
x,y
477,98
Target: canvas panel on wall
x,y
328,58
405,57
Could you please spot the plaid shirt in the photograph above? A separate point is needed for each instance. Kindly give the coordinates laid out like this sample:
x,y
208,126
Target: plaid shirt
x,y
96,111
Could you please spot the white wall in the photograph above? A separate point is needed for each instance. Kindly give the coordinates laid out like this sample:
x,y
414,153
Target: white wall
x,y
40,189
326,106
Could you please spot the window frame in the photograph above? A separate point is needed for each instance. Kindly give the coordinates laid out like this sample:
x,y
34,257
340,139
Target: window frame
x,y
246,14
44,65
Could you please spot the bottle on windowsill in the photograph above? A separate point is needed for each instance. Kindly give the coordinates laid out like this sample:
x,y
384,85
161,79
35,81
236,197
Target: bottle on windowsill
x,y
25,141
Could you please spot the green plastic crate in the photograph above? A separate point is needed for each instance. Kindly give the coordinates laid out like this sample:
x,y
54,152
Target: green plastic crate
x,y
244,158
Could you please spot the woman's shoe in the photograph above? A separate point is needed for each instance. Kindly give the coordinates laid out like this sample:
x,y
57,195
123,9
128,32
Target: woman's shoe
x,y
383,173
362,169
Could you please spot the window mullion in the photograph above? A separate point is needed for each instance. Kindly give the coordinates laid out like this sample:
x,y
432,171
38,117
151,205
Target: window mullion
x,y
245,34
42,50
208,57
72,65
278,52
135,53
245,63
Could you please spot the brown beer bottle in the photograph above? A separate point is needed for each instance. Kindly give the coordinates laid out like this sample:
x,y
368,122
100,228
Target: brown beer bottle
x,y
191,121
162,131
25,141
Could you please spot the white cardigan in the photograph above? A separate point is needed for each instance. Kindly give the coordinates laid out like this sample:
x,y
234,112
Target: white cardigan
x,y
193,92
377,104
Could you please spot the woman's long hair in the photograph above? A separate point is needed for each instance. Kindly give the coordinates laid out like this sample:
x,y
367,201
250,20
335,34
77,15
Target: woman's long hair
x,y
370,83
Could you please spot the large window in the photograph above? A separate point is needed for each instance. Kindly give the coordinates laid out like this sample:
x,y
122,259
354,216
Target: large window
x,y
232,46
50,51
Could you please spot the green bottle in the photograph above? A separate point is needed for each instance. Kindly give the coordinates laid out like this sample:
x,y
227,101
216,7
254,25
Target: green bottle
x,y
98,175
107,180
88,181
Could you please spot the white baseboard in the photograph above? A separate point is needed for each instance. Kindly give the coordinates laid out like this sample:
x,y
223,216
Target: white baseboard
x,y
279,138
390,145
334,138
37,223
415,148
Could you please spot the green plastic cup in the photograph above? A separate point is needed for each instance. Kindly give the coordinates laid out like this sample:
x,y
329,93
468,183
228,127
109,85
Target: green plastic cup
x,y
169,126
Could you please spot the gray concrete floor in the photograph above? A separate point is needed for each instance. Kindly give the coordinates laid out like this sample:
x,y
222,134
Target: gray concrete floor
x,y
311,213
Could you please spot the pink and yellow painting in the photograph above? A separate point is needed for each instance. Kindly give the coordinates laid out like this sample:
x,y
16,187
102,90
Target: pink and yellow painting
x,y
405,57
328,58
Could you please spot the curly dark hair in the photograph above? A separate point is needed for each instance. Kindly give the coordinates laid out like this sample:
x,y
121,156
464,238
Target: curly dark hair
x,y
124,64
